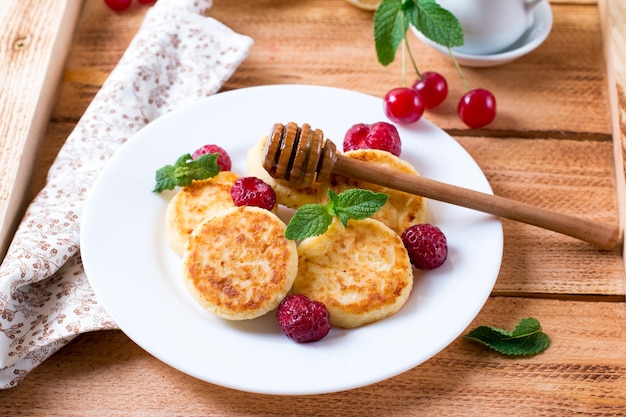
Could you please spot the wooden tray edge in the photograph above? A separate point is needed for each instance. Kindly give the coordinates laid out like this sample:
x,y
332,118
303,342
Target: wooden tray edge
x,y
19,161
613,21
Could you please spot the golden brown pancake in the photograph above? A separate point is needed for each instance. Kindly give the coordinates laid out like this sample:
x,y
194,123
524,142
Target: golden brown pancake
x,y
362,273
193,203
238,263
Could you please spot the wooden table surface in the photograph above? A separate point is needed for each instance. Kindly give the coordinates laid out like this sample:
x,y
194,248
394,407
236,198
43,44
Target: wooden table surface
x,y
552,144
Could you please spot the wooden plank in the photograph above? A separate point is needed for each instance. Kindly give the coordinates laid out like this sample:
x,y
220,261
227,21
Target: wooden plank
x,y
35,39
581,373
613,15
568,176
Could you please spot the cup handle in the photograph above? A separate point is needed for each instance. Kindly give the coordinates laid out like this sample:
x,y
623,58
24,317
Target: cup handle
x,y
530,4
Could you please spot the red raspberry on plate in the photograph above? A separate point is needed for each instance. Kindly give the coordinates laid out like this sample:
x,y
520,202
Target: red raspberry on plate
x,y
223,160
379,135
251,191
302,319
426,244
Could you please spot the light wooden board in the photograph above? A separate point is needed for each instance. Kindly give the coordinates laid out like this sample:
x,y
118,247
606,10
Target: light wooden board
x,y
614,30
34,42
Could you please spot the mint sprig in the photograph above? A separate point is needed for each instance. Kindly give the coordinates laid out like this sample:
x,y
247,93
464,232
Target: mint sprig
x,y
186,170
314,219
393,18
526,339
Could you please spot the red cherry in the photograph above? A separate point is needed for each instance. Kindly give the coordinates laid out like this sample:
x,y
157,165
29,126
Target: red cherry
x,y
403,105
477,108
118,5
432,88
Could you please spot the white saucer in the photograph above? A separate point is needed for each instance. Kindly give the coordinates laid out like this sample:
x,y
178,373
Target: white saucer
x,y
534,36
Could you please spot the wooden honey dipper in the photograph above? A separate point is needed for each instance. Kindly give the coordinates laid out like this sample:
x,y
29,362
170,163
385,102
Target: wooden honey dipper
x,y
301,155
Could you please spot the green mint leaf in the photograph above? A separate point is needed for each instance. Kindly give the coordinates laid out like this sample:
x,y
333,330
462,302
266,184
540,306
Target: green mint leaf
x,y
357,204
334,208
165,179
333,199
393,18
314,219
202,168
186,170
390,28
309,220
435,22
526,339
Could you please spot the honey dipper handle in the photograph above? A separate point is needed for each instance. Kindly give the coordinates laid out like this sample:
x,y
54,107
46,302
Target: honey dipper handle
x,y
603,235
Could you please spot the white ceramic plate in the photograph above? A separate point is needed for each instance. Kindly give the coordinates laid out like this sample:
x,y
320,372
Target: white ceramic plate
x,y
532,38
137,277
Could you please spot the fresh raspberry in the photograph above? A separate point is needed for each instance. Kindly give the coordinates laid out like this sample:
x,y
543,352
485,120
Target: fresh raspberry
x,y
302,319
427,246
379,135
223,160
355,136
251,191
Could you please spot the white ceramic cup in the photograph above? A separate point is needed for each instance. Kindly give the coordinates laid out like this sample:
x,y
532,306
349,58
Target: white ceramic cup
x,y
490,26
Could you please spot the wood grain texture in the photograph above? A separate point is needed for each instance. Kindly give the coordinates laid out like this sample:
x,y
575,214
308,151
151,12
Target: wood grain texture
x,y
344,56
551,146
34,43
569,176
613,19
581,373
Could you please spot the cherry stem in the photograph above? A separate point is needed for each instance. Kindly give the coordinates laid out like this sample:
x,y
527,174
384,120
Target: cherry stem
x,y
458,68
404,49
406,43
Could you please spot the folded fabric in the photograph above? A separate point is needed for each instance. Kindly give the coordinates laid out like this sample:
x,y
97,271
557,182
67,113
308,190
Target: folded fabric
x,y
178,55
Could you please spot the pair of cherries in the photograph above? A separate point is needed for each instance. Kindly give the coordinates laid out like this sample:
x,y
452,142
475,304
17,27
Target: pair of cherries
x,y
477,108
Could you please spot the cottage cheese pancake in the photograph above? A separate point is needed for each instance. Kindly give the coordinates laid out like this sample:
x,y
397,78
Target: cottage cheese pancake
x,y
193,203
362,273
238,263
401,210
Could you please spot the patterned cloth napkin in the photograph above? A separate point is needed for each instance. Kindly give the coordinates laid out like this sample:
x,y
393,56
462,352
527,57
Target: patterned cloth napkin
x,y
177,56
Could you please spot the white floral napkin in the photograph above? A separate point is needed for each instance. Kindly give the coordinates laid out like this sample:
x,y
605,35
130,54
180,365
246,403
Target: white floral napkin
x,y
178,55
